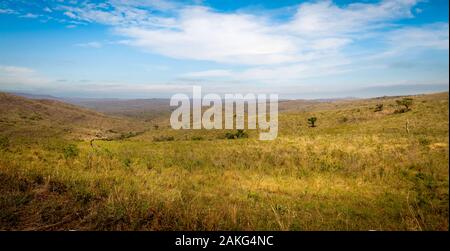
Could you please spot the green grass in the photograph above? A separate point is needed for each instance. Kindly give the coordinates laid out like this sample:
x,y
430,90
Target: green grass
x,y
365,172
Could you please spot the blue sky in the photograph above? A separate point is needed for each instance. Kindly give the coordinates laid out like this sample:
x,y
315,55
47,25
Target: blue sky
x,y
155,48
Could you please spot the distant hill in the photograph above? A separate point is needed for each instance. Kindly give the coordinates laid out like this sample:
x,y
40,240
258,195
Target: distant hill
x,y
35,96
20,116
143,109
157,110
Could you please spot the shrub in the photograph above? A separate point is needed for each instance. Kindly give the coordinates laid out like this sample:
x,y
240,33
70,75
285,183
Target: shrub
x,y
4,142
128,135
197,138
229,135
406,102
127,162
163,138
424,141
401,110
312,121
343,119
378,108
240,133
71,151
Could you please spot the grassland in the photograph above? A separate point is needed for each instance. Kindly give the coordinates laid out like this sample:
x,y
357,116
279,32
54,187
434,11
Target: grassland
x,y
357,170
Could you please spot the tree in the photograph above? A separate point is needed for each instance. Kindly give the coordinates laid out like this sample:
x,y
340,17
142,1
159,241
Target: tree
x,y
406,102
312,121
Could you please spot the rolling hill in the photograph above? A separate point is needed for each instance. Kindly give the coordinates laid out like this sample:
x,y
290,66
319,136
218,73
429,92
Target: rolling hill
x,y
35,118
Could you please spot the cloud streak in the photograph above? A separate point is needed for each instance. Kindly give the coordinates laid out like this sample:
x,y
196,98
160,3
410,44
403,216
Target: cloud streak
x,y
14,76
93,44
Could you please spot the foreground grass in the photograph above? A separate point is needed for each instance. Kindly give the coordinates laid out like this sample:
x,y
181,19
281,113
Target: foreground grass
x,y
363,173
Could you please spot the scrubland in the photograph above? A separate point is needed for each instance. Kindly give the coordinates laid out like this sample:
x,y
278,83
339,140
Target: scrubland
x,y
358,169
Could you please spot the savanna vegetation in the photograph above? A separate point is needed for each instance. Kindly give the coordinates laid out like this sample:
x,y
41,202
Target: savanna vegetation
x,y
364,166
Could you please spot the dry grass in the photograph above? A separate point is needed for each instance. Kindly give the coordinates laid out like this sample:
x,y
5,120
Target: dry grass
x,y
360,173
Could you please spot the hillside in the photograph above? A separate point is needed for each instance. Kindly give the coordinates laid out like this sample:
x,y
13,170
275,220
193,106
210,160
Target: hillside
x,y
359,169
35,118
140,109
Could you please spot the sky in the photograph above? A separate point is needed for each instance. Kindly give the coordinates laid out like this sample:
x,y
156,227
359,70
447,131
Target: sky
x,y
156,48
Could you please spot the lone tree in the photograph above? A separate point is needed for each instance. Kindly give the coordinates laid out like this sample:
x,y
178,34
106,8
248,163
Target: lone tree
x,y
406,102
312,121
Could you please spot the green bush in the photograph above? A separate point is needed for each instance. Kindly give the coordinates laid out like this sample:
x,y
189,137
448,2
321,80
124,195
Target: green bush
x,y
71,151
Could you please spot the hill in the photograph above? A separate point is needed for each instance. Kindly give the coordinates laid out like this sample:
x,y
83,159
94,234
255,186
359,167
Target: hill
x,y
140,109
23,118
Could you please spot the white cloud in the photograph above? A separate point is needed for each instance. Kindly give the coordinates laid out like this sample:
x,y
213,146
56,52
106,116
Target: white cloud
x,y
70,14
6,11
430,36
330,43
308,45
15,70
201,34
400,42
209,73
280,75
115,13
113,87
30,15
15,76
163,5
325,18
93,44
317,28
